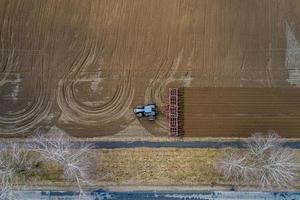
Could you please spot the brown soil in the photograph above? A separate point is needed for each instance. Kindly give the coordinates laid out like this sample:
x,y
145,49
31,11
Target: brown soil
x,y
240,112
83,65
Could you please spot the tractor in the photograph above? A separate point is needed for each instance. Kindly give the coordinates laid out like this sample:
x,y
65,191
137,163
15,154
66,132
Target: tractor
x,y
148,111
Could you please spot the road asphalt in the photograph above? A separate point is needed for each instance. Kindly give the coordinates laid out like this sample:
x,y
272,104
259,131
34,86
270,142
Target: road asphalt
x,y
163,144
176,144
162,195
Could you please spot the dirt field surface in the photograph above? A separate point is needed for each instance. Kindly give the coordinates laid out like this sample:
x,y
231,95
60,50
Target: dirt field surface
x,y
241,111
83,65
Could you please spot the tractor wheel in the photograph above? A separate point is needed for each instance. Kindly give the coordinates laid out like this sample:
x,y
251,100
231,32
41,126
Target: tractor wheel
x,y
151,118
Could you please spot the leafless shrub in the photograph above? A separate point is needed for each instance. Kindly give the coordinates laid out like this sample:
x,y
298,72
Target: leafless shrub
x,y
280,168
74,158
231,164
259,143
15,164
264,162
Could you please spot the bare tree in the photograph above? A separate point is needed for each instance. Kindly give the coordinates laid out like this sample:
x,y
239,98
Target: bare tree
x,y
259,143
74,158
232,165
278,167
264,162
15,163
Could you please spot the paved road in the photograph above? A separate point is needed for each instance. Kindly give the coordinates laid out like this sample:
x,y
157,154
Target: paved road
x,y
164,144
177,144
153,195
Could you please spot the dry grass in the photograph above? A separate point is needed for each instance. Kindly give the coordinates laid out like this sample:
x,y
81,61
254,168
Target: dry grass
x,y
145,166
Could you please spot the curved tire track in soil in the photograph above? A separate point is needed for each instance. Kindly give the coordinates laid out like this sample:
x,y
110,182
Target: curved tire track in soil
x,y
92,115
21,120
158,87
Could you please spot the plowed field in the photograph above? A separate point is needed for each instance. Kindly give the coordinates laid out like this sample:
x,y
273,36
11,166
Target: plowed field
x,y
83,65
241,111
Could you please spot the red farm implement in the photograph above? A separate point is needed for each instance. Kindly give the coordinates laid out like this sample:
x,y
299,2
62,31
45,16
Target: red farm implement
x,y
175,112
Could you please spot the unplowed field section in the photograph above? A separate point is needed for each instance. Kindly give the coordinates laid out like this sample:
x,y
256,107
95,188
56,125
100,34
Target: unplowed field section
x,y
241,111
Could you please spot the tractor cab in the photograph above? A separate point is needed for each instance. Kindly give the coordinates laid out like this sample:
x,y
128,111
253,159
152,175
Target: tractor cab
x,y
148,111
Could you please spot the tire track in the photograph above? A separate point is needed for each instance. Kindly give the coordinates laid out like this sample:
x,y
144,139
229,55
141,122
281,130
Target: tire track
x,y
92,115
292,57
158,86
21,120
95,115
